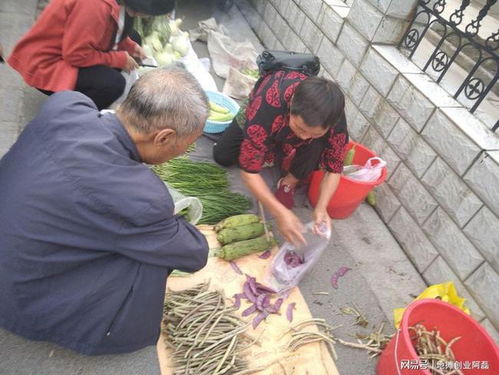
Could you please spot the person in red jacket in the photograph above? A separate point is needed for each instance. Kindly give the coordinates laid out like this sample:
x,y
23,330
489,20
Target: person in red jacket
x,y
82,45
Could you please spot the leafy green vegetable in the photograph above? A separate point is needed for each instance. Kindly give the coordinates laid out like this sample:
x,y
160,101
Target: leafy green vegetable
x,y
206,181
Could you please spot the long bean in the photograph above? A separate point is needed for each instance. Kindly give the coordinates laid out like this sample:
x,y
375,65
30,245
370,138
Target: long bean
x,y
430,346
207,337
229,350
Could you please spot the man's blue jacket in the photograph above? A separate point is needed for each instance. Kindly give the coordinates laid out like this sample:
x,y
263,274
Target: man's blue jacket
x,y
87,233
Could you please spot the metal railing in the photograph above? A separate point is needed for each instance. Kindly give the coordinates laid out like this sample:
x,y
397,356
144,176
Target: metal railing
x,y
453,40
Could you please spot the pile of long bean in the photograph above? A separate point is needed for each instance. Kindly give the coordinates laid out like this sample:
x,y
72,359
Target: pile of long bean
x,y
373,343
323,334
206,181
435,350
206,338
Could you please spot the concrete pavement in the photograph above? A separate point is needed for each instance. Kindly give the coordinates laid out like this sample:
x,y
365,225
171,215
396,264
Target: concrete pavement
x,y
18,103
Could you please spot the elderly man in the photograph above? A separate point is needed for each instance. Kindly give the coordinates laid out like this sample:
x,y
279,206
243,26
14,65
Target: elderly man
x,y
87,231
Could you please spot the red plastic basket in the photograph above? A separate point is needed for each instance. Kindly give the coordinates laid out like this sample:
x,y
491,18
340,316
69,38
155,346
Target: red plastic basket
x,y
475,347
350,192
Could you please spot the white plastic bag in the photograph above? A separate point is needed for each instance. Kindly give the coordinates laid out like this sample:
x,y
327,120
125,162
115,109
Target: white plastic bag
x,y
369,172
193,205
226,52
195,66
285,274
130,79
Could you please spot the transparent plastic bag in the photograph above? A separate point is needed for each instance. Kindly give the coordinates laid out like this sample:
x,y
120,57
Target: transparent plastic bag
x,y
368,172
192,204
292,263
130,79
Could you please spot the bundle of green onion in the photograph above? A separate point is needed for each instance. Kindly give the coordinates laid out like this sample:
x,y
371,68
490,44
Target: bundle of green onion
x,y
205,181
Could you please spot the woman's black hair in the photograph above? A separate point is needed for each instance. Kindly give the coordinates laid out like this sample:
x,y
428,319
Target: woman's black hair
x,y
318,101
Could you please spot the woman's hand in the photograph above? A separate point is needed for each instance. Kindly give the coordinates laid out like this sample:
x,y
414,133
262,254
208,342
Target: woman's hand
x,y
328,186
291,227
287,222
322,222
131,64
139,53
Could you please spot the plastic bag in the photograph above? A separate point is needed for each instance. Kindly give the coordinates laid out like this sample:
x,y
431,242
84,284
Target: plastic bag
x,y
369,172
226,52
195,66
291,264
446,292
192,204
130,79
238,85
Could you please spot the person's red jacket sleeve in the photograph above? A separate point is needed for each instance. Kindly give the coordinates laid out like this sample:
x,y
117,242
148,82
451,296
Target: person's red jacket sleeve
x,y
128,45
80,38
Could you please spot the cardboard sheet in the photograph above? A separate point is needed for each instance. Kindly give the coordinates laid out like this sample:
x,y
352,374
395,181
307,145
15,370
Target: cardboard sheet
x,y
272,354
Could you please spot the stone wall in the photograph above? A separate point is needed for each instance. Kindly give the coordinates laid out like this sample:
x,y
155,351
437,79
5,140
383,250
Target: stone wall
x,y
441,200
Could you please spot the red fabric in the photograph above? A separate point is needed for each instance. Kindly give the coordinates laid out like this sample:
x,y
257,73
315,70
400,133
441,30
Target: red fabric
x,y
334,153
251,157
68,35
267,135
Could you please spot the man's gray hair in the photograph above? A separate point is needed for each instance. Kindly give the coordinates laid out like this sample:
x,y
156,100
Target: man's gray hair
x,y
166,98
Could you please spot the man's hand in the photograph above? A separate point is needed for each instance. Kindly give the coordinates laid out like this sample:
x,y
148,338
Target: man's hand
x,y
291,228
139,53
322,221
131,64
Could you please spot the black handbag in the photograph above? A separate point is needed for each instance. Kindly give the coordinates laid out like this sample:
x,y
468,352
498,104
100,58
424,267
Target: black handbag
x,y
269,61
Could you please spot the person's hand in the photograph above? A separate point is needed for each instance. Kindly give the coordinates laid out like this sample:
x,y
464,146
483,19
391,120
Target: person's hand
x,y
291,228
322,222
131,64
139,53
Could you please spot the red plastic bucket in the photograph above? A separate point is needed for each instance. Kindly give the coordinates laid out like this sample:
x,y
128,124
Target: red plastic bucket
x,y
350,192
475,347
